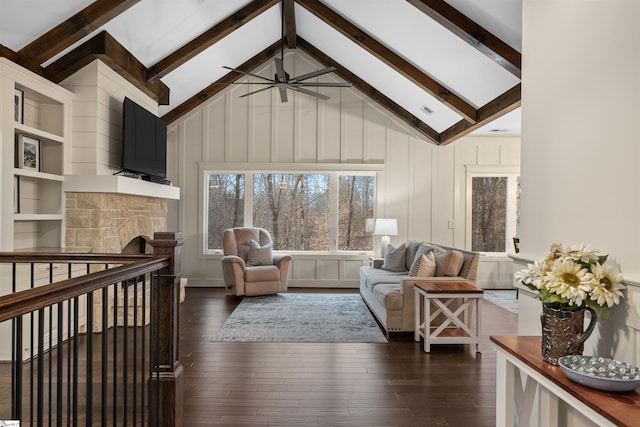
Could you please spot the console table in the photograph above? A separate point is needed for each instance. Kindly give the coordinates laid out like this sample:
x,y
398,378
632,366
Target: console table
x,y
518,355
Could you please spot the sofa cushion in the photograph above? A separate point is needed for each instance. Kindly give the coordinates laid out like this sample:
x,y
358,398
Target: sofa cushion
x,y
260,255
394,258
448,263
373,276
389,295
427,266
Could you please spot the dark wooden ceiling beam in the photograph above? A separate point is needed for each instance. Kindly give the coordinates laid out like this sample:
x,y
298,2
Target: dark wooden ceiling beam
x,y
370,91
73,29
220,85
389,57
5,52
208,38
474,34
104,47
289,15
503,104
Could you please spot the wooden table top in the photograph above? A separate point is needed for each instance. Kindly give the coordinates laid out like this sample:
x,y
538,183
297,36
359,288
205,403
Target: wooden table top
x,y
622,409
445,287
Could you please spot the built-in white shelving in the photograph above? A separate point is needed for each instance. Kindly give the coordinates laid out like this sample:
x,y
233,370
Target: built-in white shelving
x,y
35,121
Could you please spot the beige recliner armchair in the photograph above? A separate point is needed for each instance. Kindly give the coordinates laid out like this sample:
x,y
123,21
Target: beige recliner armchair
x,y
249,268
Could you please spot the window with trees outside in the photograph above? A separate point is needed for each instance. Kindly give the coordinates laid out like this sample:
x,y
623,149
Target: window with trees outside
x,y
492,210
322,212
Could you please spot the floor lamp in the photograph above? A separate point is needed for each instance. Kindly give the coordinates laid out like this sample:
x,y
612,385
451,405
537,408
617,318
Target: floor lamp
x,y
385,227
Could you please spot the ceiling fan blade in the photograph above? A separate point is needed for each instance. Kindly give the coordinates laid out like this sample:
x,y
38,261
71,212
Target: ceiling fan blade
x,y
247,73
312,74
280,70
308,92
320,84
243,83
256,91
283,94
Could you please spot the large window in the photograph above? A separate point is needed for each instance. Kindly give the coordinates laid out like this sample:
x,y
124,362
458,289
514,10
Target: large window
x,y
226,206
294,208
355,205
492,206
323,212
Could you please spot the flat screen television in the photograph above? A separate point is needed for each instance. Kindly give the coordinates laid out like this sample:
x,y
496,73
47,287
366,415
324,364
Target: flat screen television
x,y
144,141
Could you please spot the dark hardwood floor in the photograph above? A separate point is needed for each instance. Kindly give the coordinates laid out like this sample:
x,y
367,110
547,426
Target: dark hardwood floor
x,y
297,384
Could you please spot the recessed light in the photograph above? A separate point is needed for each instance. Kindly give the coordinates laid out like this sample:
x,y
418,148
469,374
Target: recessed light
x,y
498,130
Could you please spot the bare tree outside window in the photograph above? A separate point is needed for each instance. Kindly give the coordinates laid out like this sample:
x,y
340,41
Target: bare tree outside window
x,y
489,213
294,208
355,205
226,206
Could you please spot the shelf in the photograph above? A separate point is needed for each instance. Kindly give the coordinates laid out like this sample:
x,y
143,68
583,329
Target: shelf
x,y
38,217
119,185
38,175
21,128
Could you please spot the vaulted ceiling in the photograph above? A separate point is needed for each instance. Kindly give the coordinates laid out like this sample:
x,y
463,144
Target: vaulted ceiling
x,y
446,68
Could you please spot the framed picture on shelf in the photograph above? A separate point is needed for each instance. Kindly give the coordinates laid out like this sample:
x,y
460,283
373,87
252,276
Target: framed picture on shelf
x,y
28,151
16,194
18,101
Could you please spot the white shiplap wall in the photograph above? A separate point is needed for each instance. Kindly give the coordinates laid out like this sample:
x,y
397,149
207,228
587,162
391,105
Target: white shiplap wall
x,y
420,184
97,117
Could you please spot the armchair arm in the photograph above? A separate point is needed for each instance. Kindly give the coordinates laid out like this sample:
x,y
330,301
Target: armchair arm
x,y
233,272
282,262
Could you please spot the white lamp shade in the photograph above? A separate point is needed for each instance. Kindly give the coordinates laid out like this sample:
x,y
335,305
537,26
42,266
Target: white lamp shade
x,y
386,227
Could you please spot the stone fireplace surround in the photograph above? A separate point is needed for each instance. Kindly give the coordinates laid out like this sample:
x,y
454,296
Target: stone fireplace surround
x,y
107,222
110,223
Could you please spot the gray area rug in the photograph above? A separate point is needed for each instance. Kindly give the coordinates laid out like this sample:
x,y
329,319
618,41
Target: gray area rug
x,y
290,317
505,299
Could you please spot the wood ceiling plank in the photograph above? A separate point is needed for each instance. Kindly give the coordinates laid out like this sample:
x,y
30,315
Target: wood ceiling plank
x,y
290,23
471,32
503,104
208,38
104,47
219,85
73,29
389,57
370,91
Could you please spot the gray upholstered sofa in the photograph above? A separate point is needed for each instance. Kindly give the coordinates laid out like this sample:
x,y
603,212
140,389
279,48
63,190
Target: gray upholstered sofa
x,y
390,294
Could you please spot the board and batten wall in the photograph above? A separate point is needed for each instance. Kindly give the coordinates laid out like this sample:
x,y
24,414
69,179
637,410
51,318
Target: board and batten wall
x,y
416,182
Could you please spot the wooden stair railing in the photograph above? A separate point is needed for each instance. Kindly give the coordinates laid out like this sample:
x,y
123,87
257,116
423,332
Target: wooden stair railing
x,y
161,388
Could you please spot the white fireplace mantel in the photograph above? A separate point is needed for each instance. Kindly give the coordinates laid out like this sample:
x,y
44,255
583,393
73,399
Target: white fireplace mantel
x,y
119,185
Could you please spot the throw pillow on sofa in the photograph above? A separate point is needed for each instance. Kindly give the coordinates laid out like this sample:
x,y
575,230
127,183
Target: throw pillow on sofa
x,y
425,266
449,263
413,247
422,249
394,258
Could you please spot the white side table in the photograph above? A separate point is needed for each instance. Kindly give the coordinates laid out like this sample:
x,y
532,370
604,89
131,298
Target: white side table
x,y
450,321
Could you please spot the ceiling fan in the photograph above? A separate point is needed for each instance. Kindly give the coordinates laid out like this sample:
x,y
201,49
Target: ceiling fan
x,y
283,81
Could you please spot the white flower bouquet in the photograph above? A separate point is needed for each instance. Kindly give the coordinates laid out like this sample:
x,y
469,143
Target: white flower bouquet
x,y
571,277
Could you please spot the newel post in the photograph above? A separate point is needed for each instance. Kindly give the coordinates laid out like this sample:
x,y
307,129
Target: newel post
x,y
166,380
